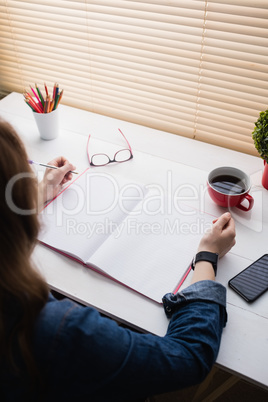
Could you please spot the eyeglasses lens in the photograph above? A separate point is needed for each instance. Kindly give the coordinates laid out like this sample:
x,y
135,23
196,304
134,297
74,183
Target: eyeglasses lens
x,y
100,159
123,155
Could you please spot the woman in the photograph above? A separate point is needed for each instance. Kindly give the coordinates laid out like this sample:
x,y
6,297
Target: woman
x,y
58,350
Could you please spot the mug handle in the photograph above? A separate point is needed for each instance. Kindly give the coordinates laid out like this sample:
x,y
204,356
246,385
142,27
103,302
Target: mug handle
x,y
250,203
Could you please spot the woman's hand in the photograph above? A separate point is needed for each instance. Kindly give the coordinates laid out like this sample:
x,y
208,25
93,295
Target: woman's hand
x,y
221,238
54,179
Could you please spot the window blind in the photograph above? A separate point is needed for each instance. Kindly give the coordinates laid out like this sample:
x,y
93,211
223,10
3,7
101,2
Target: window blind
x,y
193,68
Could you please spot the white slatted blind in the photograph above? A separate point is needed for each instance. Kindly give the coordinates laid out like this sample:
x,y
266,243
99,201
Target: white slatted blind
x,y
193,68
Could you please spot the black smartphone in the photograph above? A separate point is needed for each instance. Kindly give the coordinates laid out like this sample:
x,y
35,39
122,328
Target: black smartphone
x,y
252,282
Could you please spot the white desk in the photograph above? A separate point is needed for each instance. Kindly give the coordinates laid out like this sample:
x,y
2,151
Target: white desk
x,y
168,161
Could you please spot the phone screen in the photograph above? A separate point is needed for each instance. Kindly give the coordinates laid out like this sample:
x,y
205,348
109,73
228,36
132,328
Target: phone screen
x,y
252,282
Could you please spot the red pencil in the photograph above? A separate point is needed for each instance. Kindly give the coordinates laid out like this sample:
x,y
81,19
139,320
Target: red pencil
x,y
33,103
37,97
29,103
46,89
55,90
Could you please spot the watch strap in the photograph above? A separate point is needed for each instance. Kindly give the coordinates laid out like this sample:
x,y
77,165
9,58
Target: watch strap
x,y
206,256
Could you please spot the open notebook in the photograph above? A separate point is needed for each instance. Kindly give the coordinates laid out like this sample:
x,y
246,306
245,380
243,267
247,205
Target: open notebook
x,y
124,231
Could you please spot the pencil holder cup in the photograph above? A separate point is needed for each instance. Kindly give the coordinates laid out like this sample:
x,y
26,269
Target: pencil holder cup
x,y
48,124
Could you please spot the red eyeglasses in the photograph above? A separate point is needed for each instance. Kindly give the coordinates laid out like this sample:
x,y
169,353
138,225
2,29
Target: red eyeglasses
x,y
102,159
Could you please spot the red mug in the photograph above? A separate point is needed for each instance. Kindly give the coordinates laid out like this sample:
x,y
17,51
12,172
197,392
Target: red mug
x,y
229,187
265,176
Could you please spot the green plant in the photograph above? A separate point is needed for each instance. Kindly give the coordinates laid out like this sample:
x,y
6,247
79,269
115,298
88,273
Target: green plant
x,y
260,135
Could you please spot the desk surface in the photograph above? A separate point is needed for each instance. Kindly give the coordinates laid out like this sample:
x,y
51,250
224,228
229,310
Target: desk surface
x,y
177,164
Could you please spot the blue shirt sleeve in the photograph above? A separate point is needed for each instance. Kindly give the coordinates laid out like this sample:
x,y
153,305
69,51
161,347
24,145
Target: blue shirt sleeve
x,y
87,355
208,291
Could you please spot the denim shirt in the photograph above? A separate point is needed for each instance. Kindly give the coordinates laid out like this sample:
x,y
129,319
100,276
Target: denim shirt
x,y
84,356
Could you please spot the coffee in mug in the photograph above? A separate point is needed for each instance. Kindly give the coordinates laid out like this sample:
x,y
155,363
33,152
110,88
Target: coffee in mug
x,y
229,187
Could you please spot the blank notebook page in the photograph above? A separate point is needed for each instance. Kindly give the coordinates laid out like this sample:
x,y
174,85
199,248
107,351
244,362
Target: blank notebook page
x,y
152,253
83,216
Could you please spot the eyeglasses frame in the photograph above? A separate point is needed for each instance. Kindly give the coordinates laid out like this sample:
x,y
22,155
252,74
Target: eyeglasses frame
x,y
110,160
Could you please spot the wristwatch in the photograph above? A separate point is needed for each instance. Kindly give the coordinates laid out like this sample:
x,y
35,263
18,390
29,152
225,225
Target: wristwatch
x,y
206,256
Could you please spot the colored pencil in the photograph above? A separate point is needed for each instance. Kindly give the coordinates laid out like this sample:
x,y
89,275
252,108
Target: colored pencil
x,y
51,105
28,103
40,104
37,98
32,102
60,96
40,95
46,89
47,105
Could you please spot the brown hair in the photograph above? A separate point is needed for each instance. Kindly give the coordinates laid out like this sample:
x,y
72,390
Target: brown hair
x,y
23,292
